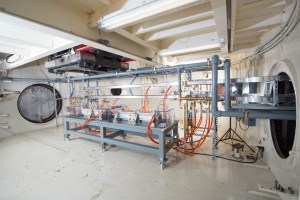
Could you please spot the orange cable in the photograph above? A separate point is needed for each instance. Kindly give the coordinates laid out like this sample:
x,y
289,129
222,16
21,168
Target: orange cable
x,y
145,100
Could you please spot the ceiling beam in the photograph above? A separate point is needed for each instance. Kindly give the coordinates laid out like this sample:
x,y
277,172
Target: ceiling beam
x,y
198,57
187,51
186,15
246,14
136,39
245,5
242,40
197,27
245,45
249,34
257,29
6,48
105,2
147,11
38,54
233,18
11,34
25,42
69,23
190,44
220,15
259,21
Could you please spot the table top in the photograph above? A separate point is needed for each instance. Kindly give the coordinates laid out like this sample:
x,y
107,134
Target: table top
x,y
120,124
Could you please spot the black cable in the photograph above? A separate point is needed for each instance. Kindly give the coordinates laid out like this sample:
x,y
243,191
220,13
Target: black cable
x,y
241,126
130,89
236,124
153,56
43,72
9,56
99,31
239,161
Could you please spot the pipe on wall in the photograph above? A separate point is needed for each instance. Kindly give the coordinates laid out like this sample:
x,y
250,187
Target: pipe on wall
x,y
256,115
179,83
214,82
227,85
33,80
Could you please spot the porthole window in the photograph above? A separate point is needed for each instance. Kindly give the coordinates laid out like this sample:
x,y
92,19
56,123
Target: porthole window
x,y
116,91
283,131
37,103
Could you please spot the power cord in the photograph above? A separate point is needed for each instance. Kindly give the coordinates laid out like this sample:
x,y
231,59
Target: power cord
x,y
234,160
241,126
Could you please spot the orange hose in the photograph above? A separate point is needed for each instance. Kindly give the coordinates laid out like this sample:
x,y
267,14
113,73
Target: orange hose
x,y
148,130
145,100
90,119
154,141
114,104
165,98
208,125
190,134
203,138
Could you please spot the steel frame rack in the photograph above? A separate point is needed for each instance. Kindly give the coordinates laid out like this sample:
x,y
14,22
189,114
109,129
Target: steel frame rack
x,y
167,137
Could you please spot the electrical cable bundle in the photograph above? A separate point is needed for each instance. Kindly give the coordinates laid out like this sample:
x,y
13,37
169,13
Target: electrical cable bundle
x,y
288,27
145,103
190,133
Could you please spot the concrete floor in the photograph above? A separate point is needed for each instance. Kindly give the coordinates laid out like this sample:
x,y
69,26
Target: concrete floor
x,y
40,165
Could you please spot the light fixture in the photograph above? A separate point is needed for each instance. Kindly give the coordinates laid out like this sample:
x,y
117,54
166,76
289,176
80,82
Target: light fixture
x,y
7,81
13,58
147,10
169,52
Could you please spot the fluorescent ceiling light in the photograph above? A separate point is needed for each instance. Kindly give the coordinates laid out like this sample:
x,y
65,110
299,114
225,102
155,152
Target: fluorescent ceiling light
x,y
169,52
29,46
7,81
139,13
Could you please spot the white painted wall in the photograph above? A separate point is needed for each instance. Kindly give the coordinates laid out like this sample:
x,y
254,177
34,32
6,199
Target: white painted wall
x,y
287,171
17,124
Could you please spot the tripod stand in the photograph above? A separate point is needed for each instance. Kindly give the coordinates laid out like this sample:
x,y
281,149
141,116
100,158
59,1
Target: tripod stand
x,y
229,135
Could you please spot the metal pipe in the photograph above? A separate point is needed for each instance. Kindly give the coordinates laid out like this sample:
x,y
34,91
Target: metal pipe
x,y
69,86
12,79
55,104
132,97
179,83
257,115
188,83
227,85
189,73
153,70
214,103
214,66
194,98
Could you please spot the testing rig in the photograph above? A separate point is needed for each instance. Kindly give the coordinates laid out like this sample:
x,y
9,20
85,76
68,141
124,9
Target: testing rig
x,y
92,118
96,116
